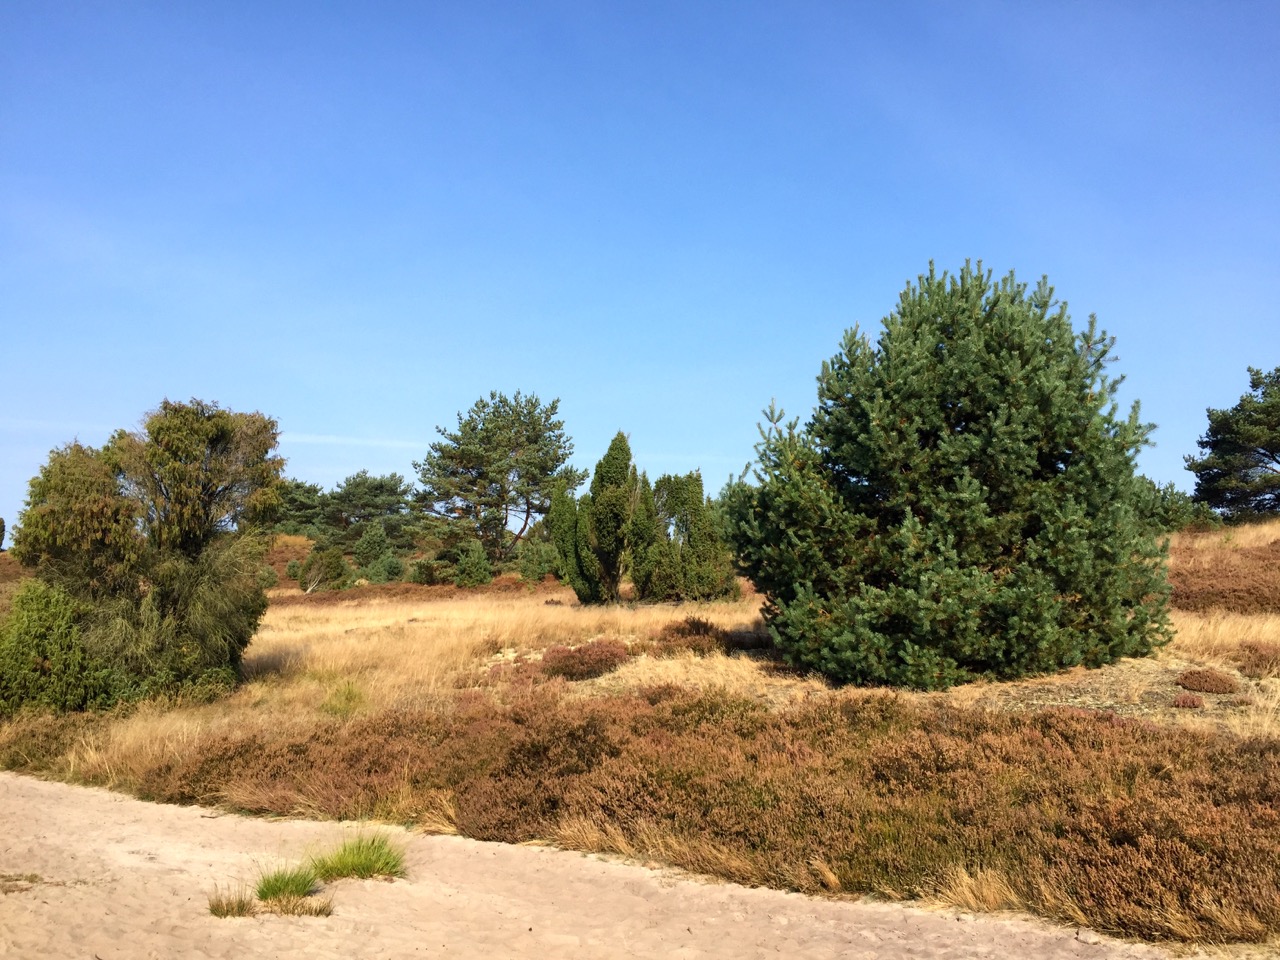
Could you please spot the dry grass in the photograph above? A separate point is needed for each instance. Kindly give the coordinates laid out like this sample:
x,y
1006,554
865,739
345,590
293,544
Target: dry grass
x,y
238,902
1247,536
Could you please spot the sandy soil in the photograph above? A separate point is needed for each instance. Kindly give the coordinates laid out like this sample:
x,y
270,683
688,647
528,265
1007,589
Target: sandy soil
x,y
92,874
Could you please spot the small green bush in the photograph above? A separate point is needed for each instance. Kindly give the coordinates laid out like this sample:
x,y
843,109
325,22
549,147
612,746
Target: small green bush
x,y
473,568
324,569
43,660
427,572
293,570
268,578
537,559
373,543
384,569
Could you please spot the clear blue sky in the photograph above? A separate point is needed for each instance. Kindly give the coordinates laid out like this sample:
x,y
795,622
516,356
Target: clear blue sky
x,y
359,218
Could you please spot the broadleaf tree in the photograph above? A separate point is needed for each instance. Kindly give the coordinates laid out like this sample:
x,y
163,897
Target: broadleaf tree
x,y
498,470
962,503
1238,473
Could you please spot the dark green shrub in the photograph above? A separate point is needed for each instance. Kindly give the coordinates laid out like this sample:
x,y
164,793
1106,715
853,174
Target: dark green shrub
x,y
687,560
428,572
267,577
962,503
538,558
1,533
43,659
384,569
373,543
325,569
1171,510
473,568
293,569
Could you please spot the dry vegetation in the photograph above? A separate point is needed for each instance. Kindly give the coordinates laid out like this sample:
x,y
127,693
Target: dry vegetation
x,y
1140,799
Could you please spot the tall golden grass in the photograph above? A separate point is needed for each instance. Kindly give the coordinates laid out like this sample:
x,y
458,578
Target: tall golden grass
x,y
311,663
1246,536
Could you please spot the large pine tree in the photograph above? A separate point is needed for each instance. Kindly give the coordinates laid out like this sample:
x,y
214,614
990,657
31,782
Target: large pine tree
x,y
962,502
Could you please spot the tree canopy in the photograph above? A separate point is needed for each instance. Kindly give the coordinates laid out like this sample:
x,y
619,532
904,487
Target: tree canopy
x,y
498,470
1238,473
152,539
962,502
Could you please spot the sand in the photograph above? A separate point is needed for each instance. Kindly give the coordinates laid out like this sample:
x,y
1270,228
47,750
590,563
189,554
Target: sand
x,y
97,875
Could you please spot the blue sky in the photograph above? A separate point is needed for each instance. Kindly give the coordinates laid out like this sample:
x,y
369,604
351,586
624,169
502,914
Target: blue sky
x,y
359,218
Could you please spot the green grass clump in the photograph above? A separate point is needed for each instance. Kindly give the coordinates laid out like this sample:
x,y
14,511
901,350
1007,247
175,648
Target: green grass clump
x,y
286,882
363,857
237,903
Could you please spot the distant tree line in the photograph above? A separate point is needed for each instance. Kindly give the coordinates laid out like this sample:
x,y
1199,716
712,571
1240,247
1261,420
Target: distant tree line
x,y
496,493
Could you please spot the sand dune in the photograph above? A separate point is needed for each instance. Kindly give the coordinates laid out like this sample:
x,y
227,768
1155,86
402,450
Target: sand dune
x,y
92,874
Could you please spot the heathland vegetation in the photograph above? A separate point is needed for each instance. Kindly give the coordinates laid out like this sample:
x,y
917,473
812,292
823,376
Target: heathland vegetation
x,y
967,661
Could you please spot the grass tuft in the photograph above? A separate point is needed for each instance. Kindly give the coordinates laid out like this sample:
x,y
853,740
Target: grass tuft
x,y
362,857
286,882
288,905
232,903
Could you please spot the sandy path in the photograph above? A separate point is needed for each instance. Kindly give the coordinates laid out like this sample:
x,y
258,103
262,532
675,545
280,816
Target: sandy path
x,y
121,878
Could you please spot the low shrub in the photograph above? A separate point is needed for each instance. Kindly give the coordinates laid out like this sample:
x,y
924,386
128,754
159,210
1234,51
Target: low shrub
x,y
538,559
473,568
324,569
1188,701
593,659
1204,680
43,659
384,569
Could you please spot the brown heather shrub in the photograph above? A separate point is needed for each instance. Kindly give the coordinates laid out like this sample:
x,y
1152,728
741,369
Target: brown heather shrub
x,y
593,659
1206,680
1081,816
1188,701
1242,579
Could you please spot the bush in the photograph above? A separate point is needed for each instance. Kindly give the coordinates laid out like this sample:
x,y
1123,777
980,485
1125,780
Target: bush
x,y
686,558
537,560
1171,510
267,577
1204,680
962,503
473,569
43,660
384,569
293,569
324,569
373,543
590,660
427,572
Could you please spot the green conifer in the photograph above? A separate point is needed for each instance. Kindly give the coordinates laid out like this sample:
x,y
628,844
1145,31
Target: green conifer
x,y
962,503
